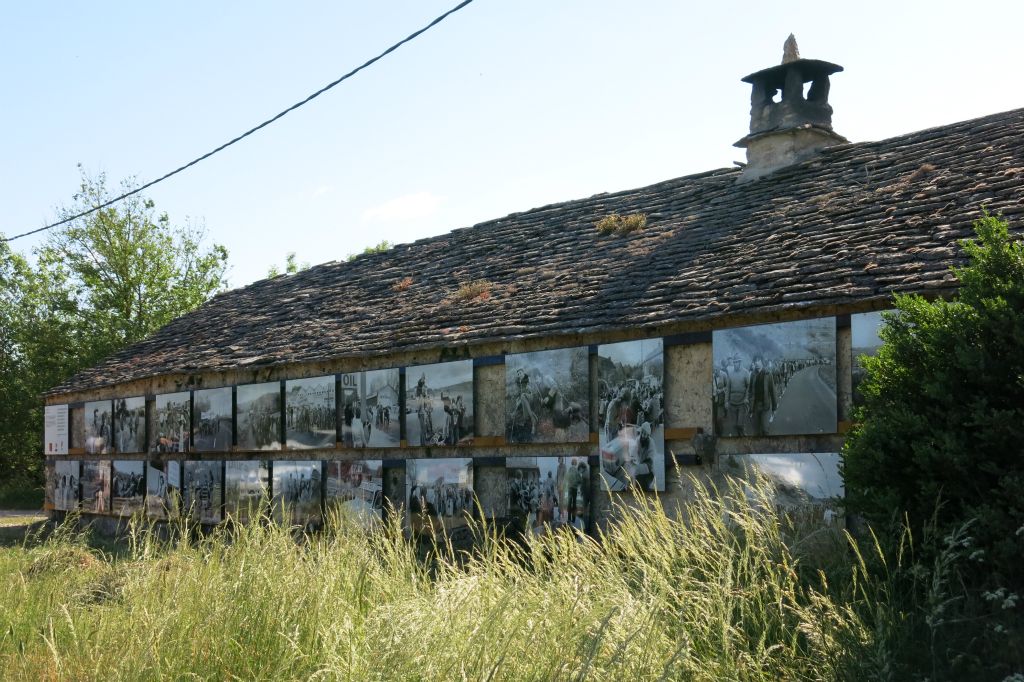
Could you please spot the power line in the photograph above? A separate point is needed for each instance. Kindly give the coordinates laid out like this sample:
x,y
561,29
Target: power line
x,y
249,132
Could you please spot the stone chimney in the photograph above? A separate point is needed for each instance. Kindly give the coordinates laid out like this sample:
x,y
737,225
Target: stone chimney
x,y
792,127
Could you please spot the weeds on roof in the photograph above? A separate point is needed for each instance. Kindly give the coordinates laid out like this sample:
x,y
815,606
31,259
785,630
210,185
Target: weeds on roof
x,y
613,223
402,284
476,290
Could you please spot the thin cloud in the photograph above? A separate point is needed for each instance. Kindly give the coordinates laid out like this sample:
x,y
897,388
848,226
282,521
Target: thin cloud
x,y
415,206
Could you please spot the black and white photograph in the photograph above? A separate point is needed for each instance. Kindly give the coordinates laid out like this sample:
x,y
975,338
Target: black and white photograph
x,y
547,396
775,379
439,404
65,484
246,489
99,427
439,494
128,487
172,422
356,487
203,486
310,413
865,330
163,500
130,424
807,484
258,416
545,493
631,395
296,489
368,409
211,420
96,486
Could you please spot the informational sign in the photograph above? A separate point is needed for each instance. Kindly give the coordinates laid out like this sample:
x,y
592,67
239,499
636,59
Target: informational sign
x,y
56,430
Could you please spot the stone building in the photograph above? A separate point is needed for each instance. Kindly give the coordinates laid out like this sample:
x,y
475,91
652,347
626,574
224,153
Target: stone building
x,y
811,228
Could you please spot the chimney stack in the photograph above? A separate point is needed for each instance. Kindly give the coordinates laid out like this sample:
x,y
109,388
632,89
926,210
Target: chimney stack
x,y
791,127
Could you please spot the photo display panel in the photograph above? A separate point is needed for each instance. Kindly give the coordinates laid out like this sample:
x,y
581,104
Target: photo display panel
x,y
865,330
545,493
173,422
439,404
128,487
369,409
310,413
296,489
55,428
203,486
96,486
258,416
163,499
130,424
806,484
66,479
547,397
246,489
99,427
356,487
439,494
631,394
775,379
211,420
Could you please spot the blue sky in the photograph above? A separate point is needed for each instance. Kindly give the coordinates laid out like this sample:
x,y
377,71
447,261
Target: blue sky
x,y
504,107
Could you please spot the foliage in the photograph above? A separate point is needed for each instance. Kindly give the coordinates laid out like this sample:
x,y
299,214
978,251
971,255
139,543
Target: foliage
x,y
475,290
98,284
291,266
380,247
943,413
621,224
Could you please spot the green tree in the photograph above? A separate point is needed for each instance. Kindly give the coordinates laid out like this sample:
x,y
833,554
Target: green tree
x,y
943,413
291,266
98,284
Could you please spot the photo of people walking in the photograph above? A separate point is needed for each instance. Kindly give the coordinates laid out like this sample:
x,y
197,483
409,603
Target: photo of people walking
x,y
130,424
203,487
246,488
211,420
172,421
296,490
546,493
547,396
99,427
368,409
258,416
310,413
439,404
775,379
439,494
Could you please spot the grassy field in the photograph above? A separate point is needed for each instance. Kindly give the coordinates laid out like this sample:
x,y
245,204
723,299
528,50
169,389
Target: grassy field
x,y
720,596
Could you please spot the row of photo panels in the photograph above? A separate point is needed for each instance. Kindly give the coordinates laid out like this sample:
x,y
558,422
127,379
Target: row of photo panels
x,y
767,380
538,493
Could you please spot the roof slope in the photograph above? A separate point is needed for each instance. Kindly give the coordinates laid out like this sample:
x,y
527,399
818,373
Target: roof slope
x,y
859,221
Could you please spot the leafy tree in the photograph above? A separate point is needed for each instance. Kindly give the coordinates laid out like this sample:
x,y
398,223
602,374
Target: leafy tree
x,y
943,413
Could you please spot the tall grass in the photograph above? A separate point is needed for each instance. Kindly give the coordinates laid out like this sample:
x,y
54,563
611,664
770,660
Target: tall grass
x,y
716,595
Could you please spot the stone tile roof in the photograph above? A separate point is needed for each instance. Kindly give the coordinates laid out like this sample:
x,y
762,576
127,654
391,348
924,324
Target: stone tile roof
x,y
859,221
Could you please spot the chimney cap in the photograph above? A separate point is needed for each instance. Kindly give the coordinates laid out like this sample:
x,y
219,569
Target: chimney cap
x,y
810,69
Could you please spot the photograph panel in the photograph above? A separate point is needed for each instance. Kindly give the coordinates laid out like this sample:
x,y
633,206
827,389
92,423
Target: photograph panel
x,y
128,487
865,330
296,490
66,479
130,424
775,379
356,487
369,409
203,488
258,416
96,486
546,493
439,494
163,497
246,489
439,404
99,427
173,422
547,398
212,420
808,486
630,379
55,430
310,413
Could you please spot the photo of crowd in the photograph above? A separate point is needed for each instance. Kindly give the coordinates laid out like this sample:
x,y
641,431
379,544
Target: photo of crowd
x,y
865,331
162,499
65,484
172,422
775,379
631,394
246,489
547,397
439,494
203,486
546,493
96,486
806,485
99,427
258,414
296,489
128,487
130,424
439,404
368,410
357,487
310,413
212,419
